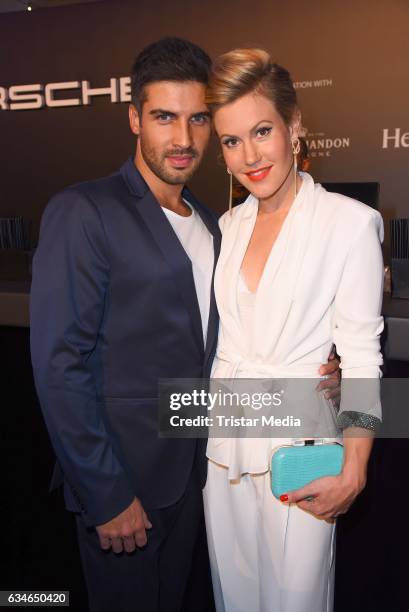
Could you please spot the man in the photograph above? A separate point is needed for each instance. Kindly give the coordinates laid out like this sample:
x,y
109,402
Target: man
x,y
122,297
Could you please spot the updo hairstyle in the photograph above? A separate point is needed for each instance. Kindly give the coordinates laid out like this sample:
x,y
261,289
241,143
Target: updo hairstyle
x,y
242,71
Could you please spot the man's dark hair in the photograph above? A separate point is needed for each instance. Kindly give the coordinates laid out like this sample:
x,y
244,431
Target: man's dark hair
x,y
168,59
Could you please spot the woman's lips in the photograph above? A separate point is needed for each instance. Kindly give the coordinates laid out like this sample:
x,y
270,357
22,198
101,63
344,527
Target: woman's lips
x,y
180,161
258,175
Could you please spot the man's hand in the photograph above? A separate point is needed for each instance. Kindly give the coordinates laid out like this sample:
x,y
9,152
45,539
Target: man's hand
x,y
331,385
125,531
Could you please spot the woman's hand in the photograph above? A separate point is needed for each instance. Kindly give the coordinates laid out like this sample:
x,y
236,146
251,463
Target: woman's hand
x,y
331,496
328,497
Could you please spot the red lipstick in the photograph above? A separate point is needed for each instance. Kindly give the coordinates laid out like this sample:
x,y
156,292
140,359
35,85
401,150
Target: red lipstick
x,y
258,175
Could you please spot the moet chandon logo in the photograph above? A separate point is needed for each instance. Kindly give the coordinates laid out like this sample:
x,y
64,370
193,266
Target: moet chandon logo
x,y
63,94
394,138
321,145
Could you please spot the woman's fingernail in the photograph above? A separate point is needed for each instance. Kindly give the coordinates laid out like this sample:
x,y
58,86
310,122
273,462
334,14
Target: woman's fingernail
x,y
284,498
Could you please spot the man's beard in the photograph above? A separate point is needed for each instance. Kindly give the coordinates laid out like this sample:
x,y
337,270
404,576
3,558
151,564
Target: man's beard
x,y
157,164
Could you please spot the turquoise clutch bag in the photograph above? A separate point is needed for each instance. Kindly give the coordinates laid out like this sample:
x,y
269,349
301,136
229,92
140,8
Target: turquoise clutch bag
x,y
294,466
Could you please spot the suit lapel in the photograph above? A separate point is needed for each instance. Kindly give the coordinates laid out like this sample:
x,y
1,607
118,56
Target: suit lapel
x,y
168,243
213,324
213,228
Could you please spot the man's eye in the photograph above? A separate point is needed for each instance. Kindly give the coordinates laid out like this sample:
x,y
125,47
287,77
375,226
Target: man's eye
x,y
200,119
164,117
263,131
230,142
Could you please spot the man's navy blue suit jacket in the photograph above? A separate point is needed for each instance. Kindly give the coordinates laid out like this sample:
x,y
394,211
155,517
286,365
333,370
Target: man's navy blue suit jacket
x,y
114,309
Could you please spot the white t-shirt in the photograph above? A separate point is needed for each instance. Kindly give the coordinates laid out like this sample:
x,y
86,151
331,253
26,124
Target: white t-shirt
x,y
198,244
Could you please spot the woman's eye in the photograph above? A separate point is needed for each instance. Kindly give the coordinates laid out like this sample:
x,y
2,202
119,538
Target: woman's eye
x,y
263,131
230,142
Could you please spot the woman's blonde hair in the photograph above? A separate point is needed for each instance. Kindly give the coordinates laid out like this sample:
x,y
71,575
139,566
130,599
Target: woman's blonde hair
x,y
242,71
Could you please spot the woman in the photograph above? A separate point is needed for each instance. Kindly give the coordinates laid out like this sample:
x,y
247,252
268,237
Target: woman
x,y
299,270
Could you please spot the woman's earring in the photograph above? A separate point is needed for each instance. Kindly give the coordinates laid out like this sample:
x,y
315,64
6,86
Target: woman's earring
x,y
296,149
230,190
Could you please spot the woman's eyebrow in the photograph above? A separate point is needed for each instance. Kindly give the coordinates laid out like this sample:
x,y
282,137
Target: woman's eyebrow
x,y
251,129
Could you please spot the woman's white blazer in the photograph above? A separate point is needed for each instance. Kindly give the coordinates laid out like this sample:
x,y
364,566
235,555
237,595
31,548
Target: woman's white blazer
x,y
322,285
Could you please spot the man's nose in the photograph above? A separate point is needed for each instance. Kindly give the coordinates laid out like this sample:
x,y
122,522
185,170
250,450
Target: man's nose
x,y
182,136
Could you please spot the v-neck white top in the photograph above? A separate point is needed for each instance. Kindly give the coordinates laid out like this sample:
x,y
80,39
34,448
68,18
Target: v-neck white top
x,y
246,300
197,241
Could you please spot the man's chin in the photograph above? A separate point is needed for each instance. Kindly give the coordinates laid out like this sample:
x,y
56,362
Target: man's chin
x,y
179,177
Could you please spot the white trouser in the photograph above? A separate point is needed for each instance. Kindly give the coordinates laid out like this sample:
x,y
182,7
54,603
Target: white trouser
x,y
265,556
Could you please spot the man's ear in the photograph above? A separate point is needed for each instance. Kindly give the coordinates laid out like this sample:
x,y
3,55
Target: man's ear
x,y
134,121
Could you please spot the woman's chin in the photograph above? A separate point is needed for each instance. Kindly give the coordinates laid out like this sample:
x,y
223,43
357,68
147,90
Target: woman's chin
x,y
261,192
266,188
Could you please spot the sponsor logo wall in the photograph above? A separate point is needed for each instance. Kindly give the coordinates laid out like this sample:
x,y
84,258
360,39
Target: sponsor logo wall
x,y
322,145
395,138
51,95
64,93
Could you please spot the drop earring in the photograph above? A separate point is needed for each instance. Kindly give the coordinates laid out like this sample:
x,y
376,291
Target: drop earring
x,y
230,191
296,146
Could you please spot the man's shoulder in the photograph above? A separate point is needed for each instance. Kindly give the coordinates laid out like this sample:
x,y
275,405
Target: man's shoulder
x,y
96,196
101,187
